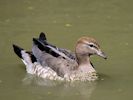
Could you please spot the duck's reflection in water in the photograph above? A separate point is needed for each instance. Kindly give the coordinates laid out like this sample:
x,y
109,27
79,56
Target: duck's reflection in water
x,y
83,90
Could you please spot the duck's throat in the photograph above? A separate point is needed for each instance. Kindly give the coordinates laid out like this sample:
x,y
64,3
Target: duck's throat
x,y
85,65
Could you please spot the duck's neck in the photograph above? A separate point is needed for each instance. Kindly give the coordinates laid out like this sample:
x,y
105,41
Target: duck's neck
x,y
84,63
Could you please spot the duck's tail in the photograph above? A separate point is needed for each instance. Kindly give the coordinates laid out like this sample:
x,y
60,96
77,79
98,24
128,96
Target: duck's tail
x,y
27,57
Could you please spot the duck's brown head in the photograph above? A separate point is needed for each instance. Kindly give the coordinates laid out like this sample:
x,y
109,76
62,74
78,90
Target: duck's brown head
x,y
89,46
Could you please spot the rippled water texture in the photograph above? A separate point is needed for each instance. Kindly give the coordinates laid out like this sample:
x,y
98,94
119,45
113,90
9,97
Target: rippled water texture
x,y
64,21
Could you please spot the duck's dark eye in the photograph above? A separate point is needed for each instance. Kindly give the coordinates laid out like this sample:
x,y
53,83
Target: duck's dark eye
x,y
91,45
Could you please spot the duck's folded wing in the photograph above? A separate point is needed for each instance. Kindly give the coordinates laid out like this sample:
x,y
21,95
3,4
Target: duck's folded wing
x,y
42,43
47,57
68,53
51,56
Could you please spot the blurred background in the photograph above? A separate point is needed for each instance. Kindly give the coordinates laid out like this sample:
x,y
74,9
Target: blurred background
x,y
64,21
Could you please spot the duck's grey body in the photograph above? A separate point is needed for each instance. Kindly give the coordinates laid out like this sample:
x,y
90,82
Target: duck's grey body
x,y
59,64
48,61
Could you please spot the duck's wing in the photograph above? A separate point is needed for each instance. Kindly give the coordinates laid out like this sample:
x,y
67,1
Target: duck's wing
x,y
39,48
68,53
53,49
49,56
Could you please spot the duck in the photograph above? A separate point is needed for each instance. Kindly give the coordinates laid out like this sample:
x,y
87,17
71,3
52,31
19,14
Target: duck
x,y
47,61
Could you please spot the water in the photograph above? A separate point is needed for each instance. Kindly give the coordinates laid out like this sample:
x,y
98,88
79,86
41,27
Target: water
x,y
64,21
